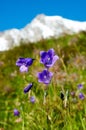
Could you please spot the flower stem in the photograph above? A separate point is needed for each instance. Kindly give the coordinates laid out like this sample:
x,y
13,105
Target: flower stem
x,y
44,99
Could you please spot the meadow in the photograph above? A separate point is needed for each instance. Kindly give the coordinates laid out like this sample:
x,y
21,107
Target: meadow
x,y
61,105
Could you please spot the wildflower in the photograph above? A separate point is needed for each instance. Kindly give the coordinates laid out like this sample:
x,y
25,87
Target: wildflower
x,y
24,63
48,58
80,86
26,89
32,99
16,112
45,76
81,96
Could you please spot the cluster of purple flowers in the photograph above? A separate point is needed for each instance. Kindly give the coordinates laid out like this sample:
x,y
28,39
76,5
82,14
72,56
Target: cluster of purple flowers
x,y
81,95
47,59
78,92
24,64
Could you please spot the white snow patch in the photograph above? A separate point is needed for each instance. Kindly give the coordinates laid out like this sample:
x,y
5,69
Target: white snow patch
x,y
41,27
3,44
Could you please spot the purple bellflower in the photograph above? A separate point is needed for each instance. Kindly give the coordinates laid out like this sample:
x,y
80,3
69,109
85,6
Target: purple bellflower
x,y
27,89
32,99
16,112
48,58
80,86
81,96
24,63
45,76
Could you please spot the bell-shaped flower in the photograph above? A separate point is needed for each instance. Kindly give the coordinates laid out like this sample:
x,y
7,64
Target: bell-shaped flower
x,y
48,58
24,63
16,112
27,88
45,76
32,99
80,86
81,96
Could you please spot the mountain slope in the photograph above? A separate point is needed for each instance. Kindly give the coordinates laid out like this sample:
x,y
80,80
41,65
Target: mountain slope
x,y
41,27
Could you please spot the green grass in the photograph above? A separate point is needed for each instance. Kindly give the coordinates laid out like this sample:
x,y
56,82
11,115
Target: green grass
x,y
69,71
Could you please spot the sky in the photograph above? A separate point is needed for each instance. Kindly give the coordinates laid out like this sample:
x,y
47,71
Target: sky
x,y
19,13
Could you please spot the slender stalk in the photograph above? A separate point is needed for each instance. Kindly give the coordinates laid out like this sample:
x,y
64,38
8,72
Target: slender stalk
x,y
44,99
6,114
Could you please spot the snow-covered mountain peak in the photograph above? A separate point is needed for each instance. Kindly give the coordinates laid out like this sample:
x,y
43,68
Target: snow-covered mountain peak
x,y
41,27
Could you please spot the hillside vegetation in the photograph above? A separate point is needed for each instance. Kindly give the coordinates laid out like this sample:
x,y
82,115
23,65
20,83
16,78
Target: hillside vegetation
x,y
57,113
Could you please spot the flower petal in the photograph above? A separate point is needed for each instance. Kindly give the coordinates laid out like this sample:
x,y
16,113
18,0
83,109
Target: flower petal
x,y
55,58
23,68
29,61
20,61
16,112
43,55
50,74
51,52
